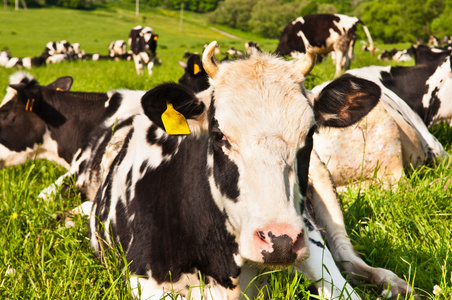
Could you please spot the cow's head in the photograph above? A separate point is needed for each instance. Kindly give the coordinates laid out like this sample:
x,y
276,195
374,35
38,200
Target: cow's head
x,y
195,77
257,116
22,130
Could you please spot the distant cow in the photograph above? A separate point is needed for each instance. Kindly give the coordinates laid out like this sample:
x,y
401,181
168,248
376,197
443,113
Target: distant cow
x,y
59,47
5,56
143,42
423,54
195,77
325,33
396,55
117,48
226,198
72,129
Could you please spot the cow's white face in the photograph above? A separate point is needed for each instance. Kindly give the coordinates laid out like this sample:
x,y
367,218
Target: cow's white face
x,y
259,118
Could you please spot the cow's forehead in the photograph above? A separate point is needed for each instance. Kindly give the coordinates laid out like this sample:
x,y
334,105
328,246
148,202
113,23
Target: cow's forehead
x,y
262,96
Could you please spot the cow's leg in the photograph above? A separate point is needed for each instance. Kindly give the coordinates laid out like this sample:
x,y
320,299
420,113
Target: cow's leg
x,y
339,55
321,268
150,67
138,64
328,214
49,192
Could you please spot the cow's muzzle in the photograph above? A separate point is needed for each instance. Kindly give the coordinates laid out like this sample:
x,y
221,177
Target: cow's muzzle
x,y
279,244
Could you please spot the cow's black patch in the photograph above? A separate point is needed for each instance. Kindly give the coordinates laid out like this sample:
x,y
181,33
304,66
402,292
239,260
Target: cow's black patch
x,y
317,243
178,226
113,105
303,159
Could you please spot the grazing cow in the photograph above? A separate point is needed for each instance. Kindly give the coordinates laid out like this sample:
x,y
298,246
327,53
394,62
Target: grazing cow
x,y
423,54
325,33
69,128
195,77
143,42
227,197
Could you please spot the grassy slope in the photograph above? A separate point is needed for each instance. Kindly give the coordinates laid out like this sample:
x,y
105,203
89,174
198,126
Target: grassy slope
x,y
407,230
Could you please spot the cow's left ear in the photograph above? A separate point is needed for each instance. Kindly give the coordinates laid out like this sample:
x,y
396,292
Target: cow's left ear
x,y
62,84
183,100
345,101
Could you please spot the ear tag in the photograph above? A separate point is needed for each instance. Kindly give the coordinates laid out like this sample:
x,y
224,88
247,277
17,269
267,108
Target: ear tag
x,y
174,122
156,38
196,69
29,105
60,90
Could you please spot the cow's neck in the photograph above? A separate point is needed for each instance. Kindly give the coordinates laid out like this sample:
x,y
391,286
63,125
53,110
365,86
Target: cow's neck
x,y
186,211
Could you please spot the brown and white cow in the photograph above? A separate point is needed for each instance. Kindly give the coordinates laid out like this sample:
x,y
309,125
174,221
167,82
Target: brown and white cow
x,y
325,33
227,197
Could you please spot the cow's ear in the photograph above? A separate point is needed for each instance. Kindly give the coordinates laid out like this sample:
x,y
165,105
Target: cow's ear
x,y
62,84
183,100
345,101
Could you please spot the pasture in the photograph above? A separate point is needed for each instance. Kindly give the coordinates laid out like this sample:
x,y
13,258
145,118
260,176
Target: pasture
x,y
45,255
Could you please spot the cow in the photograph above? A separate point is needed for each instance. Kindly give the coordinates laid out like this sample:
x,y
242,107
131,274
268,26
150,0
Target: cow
x,y
27,62
396,55
226,198
195,77
425,88
117,48
423,54
414,98
143,43
72,129
59,47
325,33
5,56
252,46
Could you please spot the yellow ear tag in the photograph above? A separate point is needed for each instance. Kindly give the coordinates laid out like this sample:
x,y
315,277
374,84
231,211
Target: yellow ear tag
x,y
174,122
196,69
60,90
156,38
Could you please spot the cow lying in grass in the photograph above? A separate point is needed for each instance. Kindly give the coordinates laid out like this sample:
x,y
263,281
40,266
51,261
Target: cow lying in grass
x,y
229,196
69,128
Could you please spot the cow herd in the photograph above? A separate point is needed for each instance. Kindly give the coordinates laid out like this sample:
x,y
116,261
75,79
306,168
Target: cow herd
x,y
234,168
142,42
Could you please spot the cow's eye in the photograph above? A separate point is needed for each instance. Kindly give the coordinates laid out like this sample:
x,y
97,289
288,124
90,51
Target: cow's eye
x,y
219,137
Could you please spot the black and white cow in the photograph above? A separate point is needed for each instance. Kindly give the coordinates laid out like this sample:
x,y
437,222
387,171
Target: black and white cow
x,y
423,54
227,198
72,129
195,77
143,43
325,33
425,88
5,56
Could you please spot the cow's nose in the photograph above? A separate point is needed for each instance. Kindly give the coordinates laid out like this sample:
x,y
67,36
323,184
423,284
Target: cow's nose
x,y
279,244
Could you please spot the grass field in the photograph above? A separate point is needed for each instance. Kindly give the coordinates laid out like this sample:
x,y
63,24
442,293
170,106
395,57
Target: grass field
x,y
407,230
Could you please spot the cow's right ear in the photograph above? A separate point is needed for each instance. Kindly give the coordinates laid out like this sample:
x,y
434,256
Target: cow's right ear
x,y
155,103
62,84
345,101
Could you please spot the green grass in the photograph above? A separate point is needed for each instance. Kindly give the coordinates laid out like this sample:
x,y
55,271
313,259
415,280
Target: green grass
x,y
407,230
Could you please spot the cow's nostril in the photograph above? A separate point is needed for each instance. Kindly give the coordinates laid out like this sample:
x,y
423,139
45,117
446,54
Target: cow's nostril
x,y
299,243
261,235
